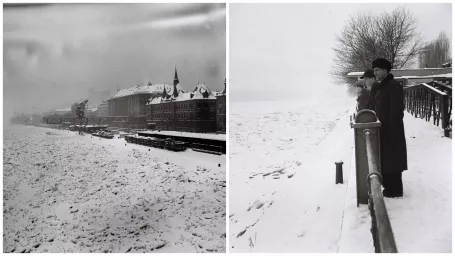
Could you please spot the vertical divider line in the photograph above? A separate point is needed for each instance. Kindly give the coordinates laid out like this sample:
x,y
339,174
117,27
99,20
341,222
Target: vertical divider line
x,y
227,127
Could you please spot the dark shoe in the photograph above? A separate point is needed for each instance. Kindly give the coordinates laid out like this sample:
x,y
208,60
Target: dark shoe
x,y
386,193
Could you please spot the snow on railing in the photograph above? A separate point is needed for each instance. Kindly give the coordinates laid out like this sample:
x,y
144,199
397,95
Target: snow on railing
x,y
434,89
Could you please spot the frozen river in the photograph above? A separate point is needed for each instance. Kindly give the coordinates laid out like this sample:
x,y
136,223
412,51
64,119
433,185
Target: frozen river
x,y
64,192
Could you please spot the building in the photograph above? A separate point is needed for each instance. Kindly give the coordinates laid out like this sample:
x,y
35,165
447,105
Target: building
x,y
408,77
91,112
102,109
62,111
131,101
419,72
178,110
221,110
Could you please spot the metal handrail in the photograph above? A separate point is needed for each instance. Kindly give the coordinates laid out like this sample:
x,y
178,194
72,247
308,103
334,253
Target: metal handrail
x,y
383,237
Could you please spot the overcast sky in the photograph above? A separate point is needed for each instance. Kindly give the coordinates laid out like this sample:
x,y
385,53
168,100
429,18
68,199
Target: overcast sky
x,y
286,49
53,54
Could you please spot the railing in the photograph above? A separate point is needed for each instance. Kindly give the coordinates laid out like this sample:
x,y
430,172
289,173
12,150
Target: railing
x,y
368,178
384,241
430,100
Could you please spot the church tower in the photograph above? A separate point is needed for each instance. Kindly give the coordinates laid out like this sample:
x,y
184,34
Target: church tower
x,y
176,82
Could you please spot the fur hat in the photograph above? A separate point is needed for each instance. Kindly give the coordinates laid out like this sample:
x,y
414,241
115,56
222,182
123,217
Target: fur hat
x,y
381,63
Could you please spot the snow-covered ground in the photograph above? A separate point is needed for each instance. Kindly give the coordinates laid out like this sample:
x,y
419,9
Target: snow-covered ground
x,y
69,193
282,182
422,219
282,174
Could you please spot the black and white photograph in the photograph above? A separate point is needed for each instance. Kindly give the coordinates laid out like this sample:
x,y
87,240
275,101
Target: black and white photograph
x,y
114,128
340,127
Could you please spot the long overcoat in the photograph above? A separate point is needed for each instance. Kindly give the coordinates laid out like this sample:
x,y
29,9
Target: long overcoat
x,y
388,104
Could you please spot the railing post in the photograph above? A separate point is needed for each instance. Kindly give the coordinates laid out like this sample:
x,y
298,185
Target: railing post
x,y
365,120
445,110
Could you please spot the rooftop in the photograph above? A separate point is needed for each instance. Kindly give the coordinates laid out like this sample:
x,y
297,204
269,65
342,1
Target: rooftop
x,y
63,110
200,92
149,88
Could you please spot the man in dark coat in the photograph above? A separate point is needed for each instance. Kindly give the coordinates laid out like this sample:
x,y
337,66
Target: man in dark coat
x,y
366,90
389,107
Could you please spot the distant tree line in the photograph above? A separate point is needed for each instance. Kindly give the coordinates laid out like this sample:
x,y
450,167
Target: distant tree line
x,y
435,53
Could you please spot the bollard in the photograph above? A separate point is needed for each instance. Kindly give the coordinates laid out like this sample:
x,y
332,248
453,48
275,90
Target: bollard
x,y
339,172
365,120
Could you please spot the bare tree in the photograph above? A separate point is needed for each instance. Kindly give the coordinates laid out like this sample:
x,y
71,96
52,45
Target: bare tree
x,y
435,53
366,37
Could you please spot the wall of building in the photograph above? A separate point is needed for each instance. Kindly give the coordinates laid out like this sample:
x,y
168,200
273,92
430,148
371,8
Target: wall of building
x,y
103,109
128,105
189,116
221,114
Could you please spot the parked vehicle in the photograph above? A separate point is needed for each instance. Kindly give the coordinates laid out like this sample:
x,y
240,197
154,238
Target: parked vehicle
x,y
103,134
173,145
169,144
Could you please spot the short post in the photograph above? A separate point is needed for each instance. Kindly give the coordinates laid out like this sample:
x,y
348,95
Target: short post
x,y
339,172
365,120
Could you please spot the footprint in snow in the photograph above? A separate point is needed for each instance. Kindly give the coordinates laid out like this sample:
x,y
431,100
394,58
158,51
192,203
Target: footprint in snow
x,y
301,233
259,204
